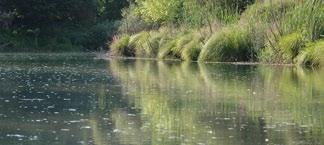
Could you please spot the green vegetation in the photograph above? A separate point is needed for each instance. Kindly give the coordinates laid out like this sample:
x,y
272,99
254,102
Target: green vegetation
x,y
232,43
146,43
189,12
191,50
312,54
266,31
291,45
120,47
60,25
245,30
288,48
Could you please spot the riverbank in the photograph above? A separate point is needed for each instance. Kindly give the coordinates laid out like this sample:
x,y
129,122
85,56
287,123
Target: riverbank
x,y
108,57
277,32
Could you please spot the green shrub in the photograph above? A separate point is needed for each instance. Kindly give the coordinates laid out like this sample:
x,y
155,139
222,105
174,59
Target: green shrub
x,y
119,46
232,43
268,11
312,54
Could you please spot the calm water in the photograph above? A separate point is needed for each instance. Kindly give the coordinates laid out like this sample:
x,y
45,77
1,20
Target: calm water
x,y
74,99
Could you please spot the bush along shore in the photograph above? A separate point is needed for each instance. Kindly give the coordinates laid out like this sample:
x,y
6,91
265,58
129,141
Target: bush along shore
x,y
267,31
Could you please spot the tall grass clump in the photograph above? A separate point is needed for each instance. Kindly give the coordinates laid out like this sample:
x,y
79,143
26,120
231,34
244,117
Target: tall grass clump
x,y
286,26
312,55
232,43
172,47
165,51
146,43
191,50
303,23
119,46
138,42
290,46
185,46
285,50
181,41
306,17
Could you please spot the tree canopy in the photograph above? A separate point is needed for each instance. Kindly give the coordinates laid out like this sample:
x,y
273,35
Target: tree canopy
x,y
160,11
71,22
45,13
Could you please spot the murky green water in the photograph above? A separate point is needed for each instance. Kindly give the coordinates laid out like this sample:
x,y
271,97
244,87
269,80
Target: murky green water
x,y
74,99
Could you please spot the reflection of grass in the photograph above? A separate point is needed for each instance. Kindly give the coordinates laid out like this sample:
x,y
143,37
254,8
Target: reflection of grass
x,y
168,118
182,98
125,128
295,97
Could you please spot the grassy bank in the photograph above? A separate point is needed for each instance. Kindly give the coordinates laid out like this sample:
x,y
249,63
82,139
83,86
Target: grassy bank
x,y
280,32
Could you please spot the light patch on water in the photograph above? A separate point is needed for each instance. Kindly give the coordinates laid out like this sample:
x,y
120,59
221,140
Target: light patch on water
x,y
15,135
85,127
72,110
33,138
65,129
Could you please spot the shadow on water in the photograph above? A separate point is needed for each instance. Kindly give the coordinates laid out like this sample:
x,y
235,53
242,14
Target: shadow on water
x,y
74,99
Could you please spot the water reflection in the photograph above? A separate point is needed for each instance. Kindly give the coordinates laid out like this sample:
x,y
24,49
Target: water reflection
x,y
74,99
223,104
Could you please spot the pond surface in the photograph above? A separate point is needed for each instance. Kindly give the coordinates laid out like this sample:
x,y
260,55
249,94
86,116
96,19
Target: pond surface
x,y
74,99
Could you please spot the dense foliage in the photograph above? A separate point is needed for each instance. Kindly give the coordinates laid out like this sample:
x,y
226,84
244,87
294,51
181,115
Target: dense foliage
x,y
192,12
58,25
269,31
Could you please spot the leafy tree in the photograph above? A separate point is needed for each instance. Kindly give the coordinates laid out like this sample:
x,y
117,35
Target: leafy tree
x,y
161,11
82,23
113,9
47,13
